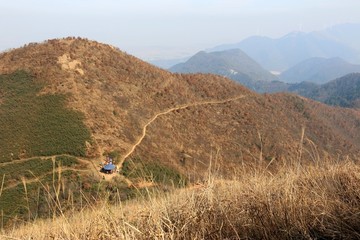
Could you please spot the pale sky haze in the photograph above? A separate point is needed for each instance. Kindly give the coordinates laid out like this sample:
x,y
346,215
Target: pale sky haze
x,y
152,29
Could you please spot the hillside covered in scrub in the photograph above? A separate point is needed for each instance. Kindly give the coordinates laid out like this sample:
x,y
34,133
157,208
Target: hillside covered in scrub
x,y
65,104
343,91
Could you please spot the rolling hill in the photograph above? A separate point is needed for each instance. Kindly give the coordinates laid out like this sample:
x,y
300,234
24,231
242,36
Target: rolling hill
x,y
225,63
233,64
343,91
66,103
318,70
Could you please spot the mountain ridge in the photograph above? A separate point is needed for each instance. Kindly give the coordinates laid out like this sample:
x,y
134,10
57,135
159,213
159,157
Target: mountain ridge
x,y
278,54
343,38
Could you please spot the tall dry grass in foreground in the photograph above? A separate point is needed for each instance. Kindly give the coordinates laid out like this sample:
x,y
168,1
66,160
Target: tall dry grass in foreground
x,y
318,201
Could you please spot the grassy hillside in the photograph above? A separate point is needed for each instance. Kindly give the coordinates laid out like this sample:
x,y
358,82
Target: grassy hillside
x,y
37,125
138,170
25,186
33,125
280,200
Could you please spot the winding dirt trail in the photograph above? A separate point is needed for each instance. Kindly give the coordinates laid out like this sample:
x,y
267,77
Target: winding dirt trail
x,y
132,149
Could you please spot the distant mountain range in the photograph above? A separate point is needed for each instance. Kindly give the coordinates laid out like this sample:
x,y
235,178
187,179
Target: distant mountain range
x,y
282,53
309,78
279,54
318,70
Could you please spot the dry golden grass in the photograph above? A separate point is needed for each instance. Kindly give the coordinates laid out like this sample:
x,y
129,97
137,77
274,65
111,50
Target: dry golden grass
x,y
317,201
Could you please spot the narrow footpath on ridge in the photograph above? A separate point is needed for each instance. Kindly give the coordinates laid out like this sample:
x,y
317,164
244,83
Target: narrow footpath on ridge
x,y
132,149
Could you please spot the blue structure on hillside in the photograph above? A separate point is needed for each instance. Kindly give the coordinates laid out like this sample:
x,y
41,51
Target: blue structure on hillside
x,y
108,168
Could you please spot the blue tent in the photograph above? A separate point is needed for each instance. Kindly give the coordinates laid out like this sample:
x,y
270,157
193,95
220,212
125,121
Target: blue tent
x,y
109,167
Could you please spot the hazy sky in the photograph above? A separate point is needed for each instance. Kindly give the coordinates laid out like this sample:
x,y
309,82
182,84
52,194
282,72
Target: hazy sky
x,y
166,28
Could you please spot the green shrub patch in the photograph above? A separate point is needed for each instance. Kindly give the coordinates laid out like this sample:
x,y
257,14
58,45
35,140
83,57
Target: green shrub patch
x,y
33,124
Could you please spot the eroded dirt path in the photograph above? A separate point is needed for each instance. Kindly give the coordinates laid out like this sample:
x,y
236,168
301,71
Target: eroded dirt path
x,y
132,149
